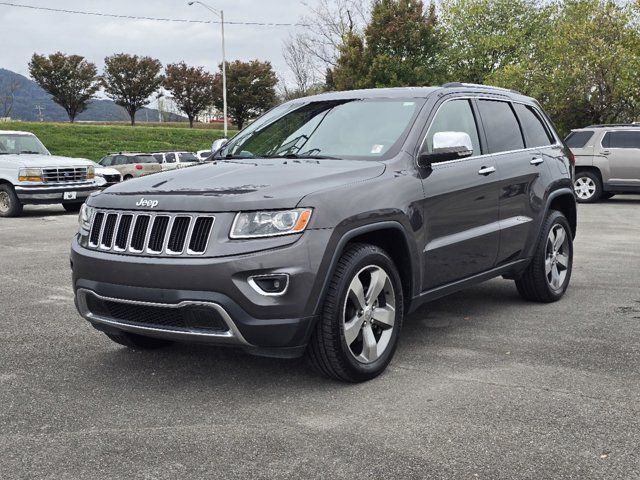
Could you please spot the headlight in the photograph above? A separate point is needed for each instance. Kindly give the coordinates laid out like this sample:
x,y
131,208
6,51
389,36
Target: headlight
x,y
30,175
91,173
85,217
270,224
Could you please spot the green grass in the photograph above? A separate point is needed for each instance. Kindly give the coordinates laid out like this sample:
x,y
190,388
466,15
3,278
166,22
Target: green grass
x,y
93,141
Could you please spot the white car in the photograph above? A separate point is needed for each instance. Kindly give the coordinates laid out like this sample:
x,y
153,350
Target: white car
x,y
29,174
202,155
107,176
173,160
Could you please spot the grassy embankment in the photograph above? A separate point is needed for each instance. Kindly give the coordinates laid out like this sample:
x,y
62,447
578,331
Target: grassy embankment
x,y
93,141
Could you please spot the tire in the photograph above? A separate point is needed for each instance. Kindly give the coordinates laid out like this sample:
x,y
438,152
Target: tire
x,y
588,187
539,282
363,351
72,207
127,177
138,342
10,205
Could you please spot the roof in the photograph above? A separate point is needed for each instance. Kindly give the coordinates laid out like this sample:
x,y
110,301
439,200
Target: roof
x,y
412,92
15,132
610,126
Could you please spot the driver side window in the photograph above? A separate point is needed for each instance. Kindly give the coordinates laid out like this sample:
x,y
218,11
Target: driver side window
x,y
454,116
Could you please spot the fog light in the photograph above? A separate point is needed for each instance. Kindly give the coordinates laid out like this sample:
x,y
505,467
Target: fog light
x,y
270,285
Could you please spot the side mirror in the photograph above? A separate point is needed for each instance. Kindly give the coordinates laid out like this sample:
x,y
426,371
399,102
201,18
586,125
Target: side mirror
x,y
218,145
446,146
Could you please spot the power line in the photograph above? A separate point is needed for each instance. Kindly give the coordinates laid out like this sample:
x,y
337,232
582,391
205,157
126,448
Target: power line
x,y
155,19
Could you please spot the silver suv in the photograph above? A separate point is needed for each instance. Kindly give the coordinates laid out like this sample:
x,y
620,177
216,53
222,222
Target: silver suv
x,y
607,160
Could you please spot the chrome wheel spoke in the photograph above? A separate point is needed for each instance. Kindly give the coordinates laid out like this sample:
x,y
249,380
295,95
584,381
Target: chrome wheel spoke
x,y
548,263
555,277
563,260
385,316
352,329
356,293
378,280
369,344
559,240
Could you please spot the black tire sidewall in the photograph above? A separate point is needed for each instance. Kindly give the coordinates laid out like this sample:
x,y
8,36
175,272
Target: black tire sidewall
x,y
372,256
598,183
16,206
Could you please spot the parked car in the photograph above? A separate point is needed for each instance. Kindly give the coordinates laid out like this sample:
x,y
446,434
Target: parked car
x,y
107,176
607,160
173,160
326,221
202,155
131,165
29,174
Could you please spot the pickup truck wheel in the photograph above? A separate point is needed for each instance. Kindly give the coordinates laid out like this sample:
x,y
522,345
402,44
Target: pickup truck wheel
x,y
547,277
127,177
357,334
72,207
588,187
138,342
10,206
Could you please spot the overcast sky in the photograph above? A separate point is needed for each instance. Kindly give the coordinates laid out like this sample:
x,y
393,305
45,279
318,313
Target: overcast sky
x,y
24,31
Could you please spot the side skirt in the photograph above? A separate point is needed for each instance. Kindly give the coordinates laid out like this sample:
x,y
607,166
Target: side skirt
x,y
510,270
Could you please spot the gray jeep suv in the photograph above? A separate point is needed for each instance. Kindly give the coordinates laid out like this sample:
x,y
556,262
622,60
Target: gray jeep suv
x,y
607,160
327,220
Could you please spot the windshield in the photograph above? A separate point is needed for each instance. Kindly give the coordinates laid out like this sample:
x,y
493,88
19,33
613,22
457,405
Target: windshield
x,y
350,129
21,144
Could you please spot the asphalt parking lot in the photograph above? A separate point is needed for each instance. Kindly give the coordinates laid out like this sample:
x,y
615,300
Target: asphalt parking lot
x,y
483,385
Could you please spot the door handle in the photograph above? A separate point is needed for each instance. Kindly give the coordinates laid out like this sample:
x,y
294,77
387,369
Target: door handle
x,y
536,161
605,152
486,170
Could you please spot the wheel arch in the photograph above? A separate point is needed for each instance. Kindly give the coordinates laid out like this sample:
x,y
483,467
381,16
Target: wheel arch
x,y
392,237
564,201
592,169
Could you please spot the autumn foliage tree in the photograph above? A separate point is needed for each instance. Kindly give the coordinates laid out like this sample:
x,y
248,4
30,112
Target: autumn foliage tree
x,y
130,80
250,90
70,79
192,88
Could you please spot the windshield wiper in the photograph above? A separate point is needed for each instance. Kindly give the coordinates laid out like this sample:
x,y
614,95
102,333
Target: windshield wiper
x,y
29,152
303,157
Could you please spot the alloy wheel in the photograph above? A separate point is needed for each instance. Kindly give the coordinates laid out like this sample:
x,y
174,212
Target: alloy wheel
x,y
557,258
585,188
369,314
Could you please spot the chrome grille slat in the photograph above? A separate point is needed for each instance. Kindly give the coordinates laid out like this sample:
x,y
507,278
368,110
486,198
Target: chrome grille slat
x,y
64,175
153,234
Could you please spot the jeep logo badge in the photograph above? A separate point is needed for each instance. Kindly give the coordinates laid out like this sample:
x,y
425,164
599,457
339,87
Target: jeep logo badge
x,y
147,203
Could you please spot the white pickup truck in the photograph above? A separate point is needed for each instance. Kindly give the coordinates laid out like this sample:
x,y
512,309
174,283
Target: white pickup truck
x,y
29,174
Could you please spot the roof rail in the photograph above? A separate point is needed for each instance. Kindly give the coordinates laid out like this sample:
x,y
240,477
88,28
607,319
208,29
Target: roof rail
x,y
605,125
477,85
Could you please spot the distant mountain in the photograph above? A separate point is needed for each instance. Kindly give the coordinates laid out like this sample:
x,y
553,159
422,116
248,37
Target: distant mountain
x,y
29,95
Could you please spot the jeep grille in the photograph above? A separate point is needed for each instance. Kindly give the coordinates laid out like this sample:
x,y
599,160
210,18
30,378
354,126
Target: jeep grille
x,y
151,234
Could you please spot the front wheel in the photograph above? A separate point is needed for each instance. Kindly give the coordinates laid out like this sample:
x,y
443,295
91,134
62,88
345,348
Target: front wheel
x,y
588,187
10,205
547,277
357,335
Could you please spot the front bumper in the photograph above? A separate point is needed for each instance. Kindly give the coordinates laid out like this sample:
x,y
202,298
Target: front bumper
x,y
268,325
39,194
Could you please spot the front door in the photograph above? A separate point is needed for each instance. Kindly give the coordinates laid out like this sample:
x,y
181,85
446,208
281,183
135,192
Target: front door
x,y
622,149
460,205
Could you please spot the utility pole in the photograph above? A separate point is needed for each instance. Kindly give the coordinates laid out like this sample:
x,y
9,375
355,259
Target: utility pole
x,y
40,108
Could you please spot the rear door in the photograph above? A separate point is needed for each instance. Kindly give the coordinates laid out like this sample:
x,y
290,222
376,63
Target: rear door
x,y
515,136
461,203
622,148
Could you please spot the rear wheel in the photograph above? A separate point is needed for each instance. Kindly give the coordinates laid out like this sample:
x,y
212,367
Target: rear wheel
x,y
588,187
547,277
138,342
10,205
356,336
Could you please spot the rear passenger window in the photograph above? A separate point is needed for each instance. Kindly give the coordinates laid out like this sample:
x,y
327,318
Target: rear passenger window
x,y
535,133
455,116
501,126
578,139
623,139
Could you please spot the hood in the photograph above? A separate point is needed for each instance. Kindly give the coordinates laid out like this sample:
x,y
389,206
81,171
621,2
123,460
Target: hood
x,y
45,161
238,184
106,171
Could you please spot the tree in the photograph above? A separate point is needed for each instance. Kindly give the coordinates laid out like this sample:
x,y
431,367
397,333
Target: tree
x,y
70,79
8,90
129,80
192,88
301,65
250,89
483,36
399,47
